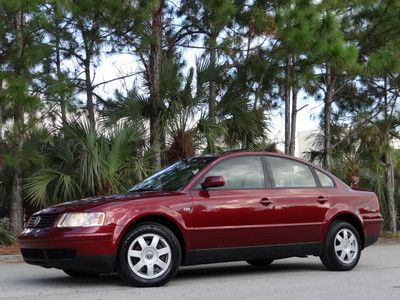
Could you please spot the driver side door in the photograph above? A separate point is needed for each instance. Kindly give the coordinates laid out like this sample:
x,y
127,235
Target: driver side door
x,y
238,214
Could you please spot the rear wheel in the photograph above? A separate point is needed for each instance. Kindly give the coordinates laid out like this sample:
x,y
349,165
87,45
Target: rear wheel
x,y
342,248
260,262
79,274
149,256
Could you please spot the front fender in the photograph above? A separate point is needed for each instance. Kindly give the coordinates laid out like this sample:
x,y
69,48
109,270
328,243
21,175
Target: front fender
x,y
128,221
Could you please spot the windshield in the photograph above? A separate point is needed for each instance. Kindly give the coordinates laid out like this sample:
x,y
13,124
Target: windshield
x,y
173,177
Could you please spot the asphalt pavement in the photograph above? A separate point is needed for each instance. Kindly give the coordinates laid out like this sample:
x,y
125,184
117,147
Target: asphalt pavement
x,y
377,276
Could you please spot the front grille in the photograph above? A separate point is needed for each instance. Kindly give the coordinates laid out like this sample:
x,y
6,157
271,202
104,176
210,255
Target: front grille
x,y
46,220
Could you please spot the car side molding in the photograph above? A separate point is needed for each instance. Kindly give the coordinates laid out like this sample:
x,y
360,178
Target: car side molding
x,y
204,256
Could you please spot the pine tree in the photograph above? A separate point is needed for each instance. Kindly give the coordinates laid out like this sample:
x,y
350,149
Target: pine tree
x,y
207,19
83,40
57,82
22,52
296,23
379,40
142,28
334,57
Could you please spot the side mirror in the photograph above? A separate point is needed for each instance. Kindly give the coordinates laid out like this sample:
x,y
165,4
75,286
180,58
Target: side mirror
x,y
213,181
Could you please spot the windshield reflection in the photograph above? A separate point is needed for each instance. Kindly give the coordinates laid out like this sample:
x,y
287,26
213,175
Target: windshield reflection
x,y
173,177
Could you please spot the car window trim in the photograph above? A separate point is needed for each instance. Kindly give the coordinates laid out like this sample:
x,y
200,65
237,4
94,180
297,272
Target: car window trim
x,y
269,171
267,174
316,178
323,172
231,189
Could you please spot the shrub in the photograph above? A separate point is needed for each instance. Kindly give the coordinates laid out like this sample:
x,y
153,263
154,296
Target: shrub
x,y
6,237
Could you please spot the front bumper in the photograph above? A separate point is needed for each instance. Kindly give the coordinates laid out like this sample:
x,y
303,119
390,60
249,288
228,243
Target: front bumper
x,y
66,259
91,249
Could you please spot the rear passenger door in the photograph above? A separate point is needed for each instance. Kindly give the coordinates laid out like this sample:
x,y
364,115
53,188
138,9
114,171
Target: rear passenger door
x,y
300,202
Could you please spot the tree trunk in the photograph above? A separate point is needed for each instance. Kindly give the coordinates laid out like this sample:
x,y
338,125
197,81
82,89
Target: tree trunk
x,y
1,112
245,143
59,78
16,206
286,87
212,96
293,122
88,45
330,87
389,170
155,97
390,186
89,92
57,33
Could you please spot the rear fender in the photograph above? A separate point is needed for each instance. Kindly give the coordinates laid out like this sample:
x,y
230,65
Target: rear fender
x,y
342,211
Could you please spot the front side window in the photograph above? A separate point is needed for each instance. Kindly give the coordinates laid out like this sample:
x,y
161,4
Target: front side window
x,y
325,180
244,172
288,173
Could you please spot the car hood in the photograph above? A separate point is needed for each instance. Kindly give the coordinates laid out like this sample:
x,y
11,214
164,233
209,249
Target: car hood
x,y
90,203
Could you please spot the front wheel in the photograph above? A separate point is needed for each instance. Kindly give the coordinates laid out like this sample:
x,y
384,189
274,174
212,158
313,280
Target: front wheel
x,y
342,248
149,256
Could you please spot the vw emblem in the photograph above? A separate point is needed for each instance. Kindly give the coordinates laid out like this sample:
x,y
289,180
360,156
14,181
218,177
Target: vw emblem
x,y
36,222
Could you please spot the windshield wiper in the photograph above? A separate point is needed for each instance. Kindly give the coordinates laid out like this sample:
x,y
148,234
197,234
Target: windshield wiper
x,y
143,190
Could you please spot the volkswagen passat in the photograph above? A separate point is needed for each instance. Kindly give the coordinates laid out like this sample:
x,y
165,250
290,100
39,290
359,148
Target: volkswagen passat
x,y
251,206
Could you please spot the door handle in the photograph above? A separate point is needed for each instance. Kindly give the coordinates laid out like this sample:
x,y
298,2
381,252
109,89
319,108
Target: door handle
x,y
322,199
266,201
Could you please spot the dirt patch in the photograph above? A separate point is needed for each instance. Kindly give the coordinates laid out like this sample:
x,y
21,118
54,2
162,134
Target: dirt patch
x,y
386,235
10,250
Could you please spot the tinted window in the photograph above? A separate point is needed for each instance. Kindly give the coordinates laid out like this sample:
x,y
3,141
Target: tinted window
x,y
288,173
325,180
240,173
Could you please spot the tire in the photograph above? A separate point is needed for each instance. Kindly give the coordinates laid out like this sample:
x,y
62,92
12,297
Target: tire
x,y
260,262
79,274
342,247
154,256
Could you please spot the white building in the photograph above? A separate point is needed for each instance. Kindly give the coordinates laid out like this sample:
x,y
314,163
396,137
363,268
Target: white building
x,y
304,141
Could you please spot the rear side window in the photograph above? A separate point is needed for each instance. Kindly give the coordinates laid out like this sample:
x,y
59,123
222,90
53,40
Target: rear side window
x,y
244,172
325,180
288,173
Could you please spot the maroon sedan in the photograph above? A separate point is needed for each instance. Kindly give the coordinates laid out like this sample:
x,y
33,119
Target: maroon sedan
x,y
251,206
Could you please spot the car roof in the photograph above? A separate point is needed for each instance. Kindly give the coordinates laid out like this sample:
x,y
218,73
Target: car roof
x,y
245,152
248,152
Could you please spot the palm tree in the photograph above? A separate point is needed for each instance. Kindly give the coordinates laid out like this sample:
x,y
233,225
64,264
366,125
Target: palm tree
x,y
359,158
85,163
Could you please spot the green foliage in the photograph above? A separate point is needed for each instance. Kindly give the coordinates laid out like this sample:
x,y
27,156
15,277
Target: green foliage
x,y
6,237
83,163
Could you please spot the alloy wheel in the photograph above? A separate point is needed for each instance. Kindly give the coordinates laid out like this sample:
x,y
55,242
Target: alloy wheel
x,y
346,246
149,256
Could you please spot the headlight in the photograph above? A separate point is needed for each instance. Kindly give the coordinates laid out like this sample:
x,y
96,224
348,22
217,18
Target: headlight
x,y
81,219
